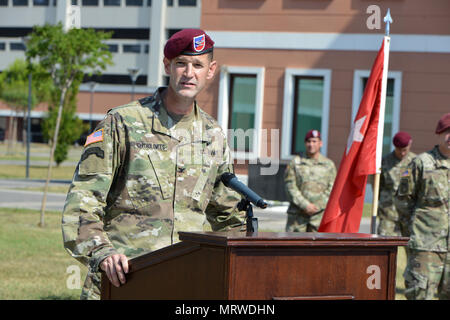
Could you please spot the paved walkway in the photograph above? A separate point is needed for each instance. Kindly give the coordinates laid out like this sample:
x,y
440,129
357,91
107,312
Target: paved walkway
x,y
272,219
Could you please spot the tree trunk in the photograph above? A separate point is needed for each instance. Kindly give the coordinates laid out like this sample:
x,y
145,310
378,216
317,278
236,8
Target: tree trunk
x,y
10,134
13,134
52,152
24,130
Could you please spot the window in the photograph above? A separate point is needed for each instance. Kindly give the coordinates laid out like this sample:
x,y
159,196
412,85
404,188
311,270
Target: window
x,y
146,48
2,46
74,2
4,3
113,48
308,107
136,3
89,2
40,2
132,48
170,3
171,32
17,46
149,3
392,108
242,102
187,3
305,107
109,3
240,109
20,3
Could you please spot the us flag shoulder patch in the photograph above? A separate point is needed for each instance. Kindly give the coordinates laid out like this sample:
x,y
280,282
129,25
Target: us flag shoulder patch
x,y
406,173
96,136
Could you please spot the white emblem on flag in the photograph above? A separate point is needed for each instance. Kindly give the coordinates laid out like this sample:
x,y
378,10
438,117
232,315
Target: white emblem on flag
x,y
355,133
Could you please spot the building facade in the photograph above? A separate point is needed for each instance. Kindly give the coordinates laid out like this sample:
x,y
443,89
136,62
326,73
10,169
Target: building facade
x,y
140,29
290,66
285,66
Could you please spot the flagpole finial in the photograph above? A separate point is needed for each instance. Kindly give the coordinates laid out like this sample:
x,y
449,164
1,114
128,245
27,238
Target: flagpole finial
x,y
388,20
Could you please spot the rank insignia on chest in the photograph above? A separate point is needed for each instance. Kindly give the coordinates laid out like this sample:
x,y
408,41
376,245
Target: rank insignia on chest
x,y
96,136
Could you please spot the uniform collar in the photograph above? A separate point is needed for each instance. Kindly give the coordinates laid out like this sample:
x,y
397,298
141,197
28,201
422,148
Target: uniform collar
x,y
160,121
441,160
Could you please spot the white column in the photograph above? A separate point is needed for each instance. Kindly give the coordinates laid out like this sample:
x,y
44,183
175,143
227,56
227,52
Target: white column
x,y
155,70
61,11
68,14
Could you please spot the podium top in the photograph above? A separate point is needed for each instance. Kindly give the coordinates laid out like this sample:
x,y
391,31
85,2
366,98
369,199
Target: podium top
x,y
237,239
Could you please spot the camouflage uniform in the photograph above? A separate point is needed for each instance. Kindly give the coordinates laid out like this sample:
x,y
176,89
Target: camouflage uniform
x,y
147,180
425,187
392,222
307,181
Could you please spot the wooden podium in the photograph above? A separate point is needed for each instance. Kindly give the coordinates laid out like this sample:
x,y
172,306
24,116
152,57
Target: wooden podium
x,y
264,265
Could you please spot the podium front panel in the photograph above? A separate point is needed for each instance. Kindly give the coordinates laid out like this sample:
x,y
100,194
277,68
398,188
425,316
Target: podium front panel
x,y
309,273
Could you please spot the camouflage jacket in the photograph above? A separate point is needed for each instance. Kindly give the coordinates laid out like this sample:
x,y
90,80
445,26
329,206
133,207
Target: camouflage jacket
x,y
138,185
425,188
391,169
309,181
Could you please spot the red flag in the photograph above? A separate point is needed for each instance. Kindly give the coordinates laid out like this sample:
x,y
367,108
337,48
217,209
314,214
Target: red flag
x,y
344,209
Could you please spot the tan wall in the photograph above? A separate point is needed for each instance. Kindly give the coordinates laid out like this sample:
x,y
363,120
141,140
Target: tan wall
x,y
425,92
425,76
103,101
339,16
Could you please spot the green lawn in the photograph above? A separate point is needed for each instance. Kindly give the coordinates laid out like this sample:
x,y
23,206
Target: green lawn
x,y
33,262
38,151
36,172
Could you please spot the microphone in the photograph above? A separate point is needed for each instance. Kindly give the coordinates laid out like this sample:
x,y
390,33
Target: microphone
x,y
230,181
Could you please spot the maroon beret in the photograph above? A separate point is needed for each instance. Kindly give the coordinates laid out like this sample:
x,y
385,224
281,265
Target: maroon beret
x,y
189,42
401,139
312,134
443,124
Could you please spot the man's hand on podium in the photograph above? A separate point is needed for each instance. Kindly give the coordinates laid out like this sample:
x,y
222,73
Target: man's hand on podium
x,y
115,266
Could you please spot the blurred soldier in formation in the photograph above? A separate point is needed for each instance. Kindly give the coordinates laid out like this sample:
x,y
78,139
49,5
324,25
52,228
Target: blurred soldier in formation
x,y
392,222
425,188
150,169
309,180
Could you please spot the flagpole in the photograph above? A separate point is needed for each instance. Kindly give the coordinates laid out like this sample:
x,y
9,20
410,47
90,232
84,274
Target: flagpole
x,y
376,186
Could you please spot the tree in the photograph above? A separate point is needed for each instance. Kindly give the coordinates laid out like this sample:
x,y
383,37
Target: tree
x,y
71,126
66,57
14,92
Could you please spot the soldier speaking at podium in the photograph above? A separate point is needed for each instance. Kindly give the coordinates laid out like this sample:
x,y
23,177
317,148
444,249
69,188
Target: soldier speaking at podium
x,y
151,168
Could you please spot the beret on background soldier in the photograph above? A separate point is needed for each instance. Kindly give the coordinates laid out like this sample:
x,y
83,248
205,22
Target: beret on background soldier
x,y
312,134
443,124
401,139
190,42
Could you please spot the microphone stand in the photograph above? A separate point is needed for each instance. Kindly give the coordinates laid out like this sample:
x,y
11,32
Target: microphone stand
x,y
251,222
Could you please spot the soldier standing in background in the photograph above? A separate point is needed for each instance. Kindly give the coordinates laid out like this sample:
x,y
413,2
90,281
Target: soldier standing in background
x,y
425,187
150,169
392,222
309,181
